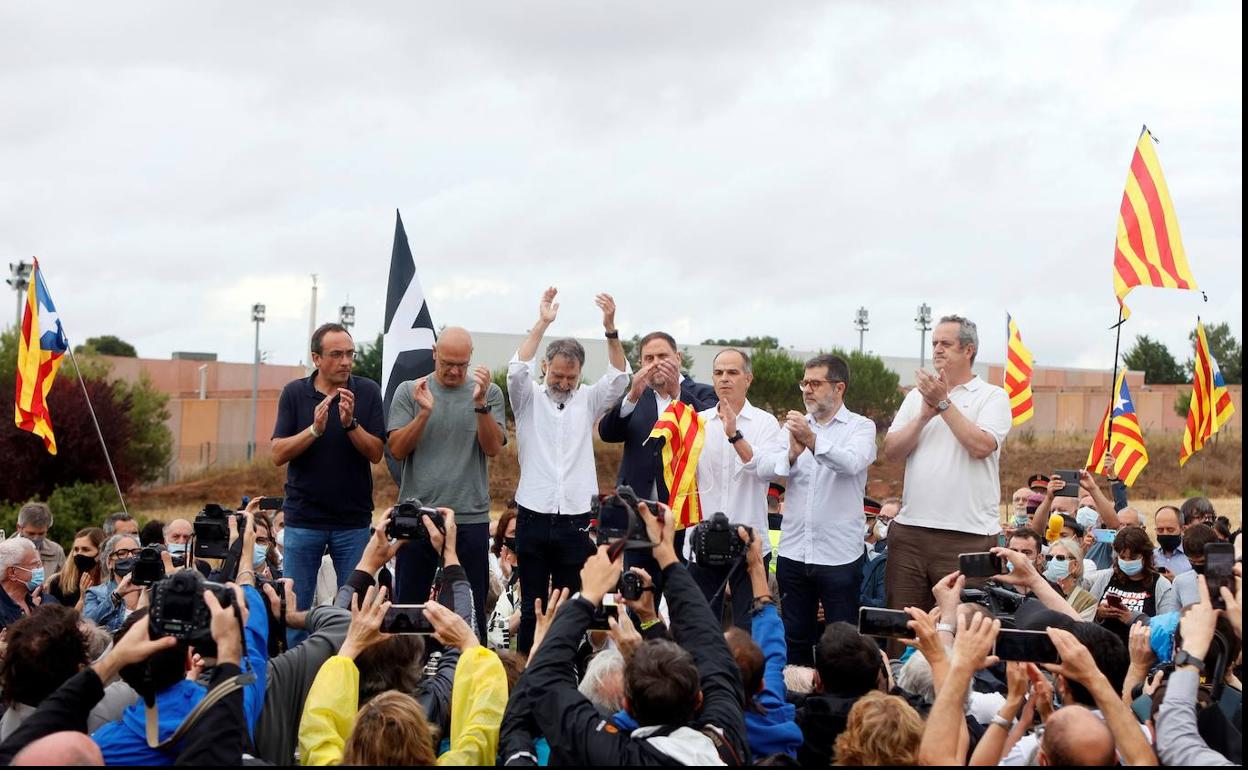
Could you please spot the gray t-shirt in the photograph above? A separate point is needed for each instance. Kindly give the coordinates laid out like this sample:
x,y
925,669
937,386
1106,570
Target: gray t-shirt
x,y
447,467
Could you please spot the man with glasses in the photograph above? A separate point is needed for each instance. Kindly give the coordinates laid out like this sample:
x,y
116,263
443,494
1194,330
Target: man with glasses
x,y
328,433
948,432
821,545
442,429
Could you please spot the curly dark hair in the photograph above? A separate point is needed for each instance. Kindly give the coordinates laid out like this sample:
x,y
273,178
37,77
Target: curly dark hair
x,y
42,652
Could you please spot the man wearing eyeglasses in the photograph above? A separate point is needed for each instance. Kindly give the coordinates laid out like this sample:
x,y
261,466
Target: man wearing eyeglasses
x,y
328,433
821,552
442,429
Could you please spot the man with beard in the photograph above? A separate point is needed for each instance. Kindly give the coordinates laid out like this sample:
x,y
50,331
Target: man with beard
x,y
821,551
554,431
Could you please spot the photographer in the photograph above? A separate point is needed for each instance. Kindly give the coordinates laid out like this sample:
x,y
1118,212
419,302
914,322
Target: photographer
x,y
109,604
686,697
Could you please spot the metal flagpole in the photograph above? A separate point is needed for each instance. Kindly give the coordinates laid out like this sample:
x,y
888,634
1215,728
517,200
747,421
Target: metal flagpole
x,y
1113,395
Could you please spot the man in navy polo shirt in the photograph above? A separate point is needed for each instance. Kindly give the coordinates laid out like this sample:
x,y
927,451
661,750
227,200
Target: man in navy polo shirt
x,y
329,429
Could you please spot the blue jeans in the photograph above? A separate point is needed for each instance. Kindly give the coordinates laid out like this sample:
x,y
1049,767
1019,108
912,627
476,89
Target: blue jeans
x,y
803,587
303,552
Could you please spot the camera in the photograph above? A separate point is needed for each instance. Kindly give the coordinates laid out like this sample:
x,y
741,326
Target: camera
x,y
148,567
616,518
715,542
212,531
1001,602
631,586
406,521
177,608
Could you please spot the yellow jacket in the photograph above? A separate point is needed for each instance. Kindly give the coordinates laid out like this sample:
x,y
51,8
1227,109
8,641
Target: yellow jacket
x,y
477,703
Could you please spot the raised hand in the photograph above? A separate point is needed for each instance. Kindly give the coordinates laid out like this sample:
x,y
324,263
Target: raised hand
x,y
728,418
548,310
480,385
346,406
367,613
422,395
607,305
320,415
449,628
641,380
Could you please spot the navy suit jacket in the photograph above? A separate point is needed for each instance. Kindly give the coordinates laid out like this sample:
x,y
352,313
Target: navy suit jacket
x,y
642,466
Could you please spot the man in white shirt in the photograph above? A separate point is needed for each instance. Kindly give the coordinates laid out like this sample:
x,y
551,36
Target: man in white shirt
x,y
949,432
821,553
736,464
554,433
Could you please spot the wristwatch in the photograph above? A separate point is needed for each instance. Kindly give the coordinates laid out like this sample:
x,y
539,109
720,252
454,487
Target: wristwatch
x,y
1186,659
942,405
734,438
354,424
481,409
614,335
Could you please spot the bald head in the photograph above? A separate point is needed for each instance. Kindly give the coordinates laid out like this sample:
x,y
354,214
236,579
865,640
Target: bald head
x,y
66,748
1129,517
1076,736
451,355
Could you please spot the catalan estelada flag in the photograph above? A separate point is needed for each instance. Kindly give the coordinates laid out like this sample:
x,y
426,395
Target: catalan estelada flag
x,y
1127,444
1210,407
41,346
1149,249
1018,366
685,433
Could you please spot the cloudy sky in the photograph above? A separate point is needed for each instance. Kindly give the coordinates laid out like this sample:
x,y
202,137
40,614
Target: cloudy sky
x,y
723,168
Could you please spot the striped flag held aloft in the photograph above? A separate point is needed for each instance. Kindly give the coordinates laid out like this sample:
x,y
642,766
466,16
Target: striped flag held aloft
x,y
1210,407
40,347
1127,442
1018,368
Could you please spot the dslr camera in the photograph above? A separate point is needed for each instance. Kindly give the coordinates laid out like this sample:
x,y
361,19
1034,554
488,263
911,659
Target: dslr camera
x,y
407,521
149,568
715,542
631,586
616,517
177,608
212,531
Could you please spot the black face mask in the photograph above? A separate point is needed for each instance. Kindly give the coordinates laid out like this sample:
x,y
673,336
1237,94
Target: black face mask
x,y
1199,569
84,563
124,567
510,542
1169,543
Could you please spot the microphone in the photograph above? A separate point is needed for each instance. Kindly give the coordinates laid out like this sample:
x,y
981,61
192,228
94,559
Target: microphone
x,y
561,405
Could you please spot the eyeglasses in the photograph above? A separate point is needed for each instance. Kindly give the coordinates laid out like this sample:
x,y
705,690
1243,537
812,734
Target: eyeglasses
x,y
1058,556
453,364
338,355
125,553
813,384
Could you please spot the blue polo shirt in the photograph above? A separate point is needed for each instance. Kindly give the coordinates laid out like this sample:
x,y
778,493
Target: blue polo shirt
x,y
330,485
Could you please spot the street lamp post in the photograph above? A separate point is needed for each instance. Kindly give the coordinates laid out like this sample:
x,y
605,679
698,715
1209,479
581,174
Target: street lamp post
x,y
860,322
346,315
19,280
924,325
257,317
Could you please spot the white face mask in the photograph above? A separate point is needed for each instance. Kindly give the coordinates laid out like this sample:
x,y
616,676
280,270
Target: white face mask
x,y
281,538
881,529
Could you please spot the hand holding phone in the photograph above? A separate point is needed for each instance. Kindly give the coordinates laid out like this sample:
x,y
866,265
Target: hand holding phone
x,y
976,565
888,624
406,619
1219,571
1025,646
1071,480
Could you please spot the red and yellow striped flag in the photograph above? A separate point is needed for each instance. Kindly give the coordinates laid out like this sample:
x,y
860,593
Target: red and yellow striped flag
x,y
1149,250
1018,367
1210,407
1127,444
684,432
41,345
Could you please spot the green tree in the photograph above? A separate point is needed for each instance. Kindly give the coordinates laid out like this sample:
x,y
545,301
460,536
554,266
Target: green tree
x,y
746,342
776,374
874,389
368,361
500,379
1224,348
1183,403
107,345
1154,359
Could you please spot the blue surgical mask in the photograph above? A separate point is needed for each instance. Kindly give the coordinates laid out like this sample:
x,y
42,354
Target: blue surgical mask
x,y
1057,570
1131,568
1020,520
36,578
258,554
177,548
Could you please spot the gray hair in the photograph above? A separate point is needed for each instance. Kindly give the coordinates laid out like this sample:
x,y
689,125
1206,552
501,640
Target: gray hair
x,y
14,551
110,524
604,667
164,531
1075,552
568,348
968,332
106,551
747,366
915,677
35,515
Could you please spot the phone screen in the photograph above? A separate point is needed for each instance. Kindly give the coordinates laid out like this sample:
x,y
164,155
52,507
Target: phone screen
x,y
406,619
609,609
974,565
1028,646
272,503
1105,535
1219,571
889,624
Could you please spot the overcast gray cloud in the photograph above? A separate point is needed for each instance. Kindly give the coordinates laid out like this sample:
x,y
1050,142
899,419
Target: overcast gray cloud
x,y
723,168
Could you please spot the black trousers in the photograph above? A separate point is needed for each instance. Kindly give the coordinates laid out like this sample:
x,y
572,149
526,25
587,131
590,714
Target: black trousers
x,y
802,588
417,562
551,549
711,579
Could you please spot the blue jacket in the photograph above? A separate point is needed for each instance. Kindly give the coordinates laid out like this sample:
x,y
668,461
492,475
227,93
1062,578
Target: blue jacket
x,y
124,742
641,465
774,730
97,606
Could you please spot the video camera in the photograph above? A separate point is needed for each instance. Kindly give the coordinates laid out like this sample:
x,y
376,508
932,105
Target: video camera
x,y
407,521
149,568
212,531
616,518
631,586
1001,602
177,608
715,542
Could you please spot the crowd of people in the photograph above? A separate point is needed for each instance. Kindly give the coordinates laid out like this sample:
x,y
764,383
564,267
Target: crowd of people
x,y
438,634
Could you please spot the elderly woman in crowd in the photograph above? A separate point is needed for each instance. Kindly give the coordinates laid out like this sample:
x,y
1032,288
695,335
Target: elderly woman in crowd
x,y
111,602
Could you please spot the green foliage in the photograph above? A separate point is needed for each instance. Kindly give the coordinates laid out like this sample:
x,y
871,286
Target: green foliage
x,y
500,379
1225,349
746,342
776,374
107,345
1183,403
1154,359
80,505
874,389
368,361
632,352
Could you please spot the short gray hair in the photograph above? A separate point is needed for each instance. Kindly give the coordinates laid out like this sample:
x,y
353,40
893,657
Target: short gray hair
x,y
747,366
568,348
968,332
14,551
1075,552
106,551
110,524
164,531
916,678
35,515
606,665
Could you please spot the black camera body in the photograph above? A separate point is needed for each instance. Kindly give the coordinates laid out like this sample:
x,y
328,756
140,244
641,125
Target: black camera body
x,y
715,542
407,521
177,608
212,531
616,517
1002,602
631,586
149,568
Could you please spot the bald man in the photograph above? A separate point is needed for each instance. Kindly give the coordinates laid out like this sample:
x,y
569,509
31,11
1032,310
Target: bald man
x,y
1075,736
442,428
68,748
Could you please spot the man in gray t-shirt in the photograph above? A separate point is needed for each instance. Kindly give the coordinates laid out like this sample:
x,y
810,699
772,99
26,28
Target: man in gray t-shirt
x,y
442,428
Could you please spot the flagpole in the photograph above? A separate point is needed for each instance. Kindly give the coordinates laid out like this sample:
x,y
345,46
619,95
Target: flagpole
x,y
1113,383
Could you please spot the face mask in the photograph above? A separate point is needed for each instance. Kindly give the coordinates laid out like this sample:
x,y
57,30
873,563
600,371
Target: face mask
x,y
124,567
1020,520
1057,570
177,548
1169,543
258,554
510,542
1199,569
1087,517
1131,568
881,529
36,578
38,541
281,538
84,563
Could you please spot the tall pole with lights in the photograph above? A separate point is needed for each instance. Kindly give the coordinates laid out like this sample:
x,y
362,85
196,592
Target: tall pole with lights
x,y
19,280
257,317
861,322
923,323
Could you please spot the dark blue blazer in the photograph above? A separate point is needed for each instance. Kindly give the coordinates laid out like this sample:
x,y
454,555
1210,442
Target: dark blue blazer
x,y
642,466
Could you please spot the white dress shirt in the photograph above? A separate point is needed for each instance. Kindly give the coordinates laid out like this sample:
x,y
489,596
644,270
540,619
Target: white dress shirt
x,y
736,488
555,439
823,517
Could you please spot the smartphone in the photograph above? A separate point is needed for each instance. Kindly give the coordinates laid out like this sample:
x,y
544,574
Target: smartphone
x,y
602,616
1027,646
406,619
1105,535
1072,483
1219,571
1114,600
272,503
889,624
975,565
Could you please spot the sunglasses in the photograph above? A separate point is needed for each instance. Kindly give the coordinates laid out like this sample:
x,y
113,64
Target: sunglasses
x,y
1058,556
